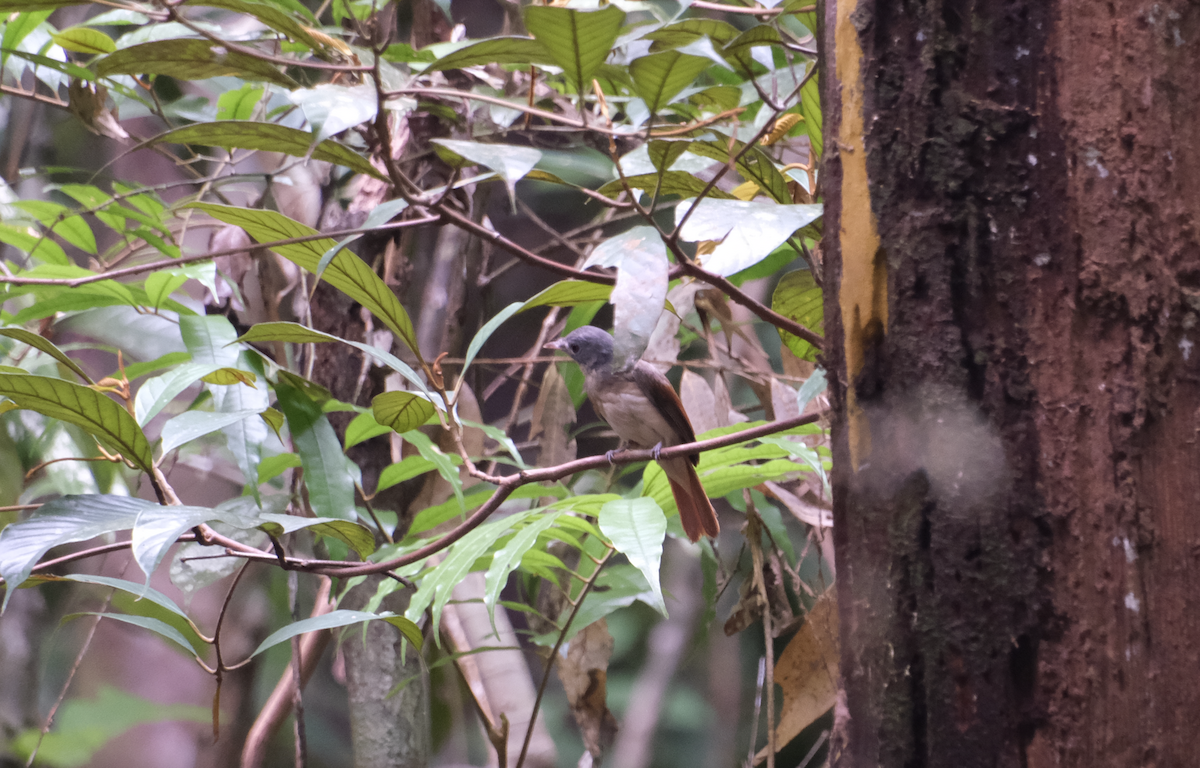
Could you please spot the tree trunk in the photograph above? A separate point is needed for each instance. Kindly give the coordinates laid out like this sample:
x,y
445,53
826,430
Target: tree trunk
x,y
1013,282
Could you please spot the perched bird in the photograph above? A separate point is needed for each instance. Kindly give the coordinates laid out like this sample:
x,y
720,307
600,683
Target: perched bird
x,y
642,408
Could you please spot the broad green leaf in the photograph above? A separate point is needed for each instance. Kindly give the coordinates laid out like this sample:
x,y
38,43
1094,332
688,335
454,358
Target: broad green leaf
x,y
134,371
763,34
799,298
353,534
406,469
617,586
340,618
486,332
299,334
157,626
273,466
569,293
156,393
61,521
660,77
331,108
754,164
25,6
663,154
509,557
577,41
186,427
810,103
510,162
141,591
689,31
227,377
40,248
210,339
348,273
746,231
268,137
678,183
330,487
189,60
59,220
637,527
401,411
379,215
272,15
641,261
239,104
497,50
45,345
160,286
97,414
363,427
84,40
446,465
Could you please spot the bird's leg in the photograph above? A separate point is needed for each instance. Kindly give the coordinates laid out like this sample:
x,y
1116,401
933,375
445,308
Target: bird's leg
x,y
610,455
657,449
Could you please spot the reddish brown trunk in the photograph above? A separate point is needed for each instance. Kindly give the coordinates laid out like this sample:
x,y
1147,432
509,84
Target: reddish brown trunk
x,y
1016,446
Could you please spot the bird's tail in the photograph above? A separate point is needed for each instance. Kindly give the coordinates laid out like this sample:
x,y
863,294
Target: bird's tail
x,y
695,509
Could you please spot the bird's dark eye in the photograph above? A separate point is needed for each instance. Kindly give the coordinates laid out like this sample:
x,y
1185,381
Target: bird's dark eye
x,y
574,347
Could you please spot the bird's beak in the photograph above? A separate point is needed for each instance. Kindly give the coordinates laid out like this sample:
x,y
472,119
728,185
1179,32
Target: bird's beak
x,y
556,344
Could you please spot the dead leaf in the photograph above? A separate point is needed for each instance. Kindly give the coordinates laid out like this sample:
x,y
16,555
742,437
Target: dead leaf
x,y
699,402
90,106
807,672
552,414
584,675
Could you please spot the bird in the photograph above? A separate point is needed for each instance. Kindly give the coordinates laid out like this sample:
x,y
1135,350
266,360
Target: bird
x,y
643,409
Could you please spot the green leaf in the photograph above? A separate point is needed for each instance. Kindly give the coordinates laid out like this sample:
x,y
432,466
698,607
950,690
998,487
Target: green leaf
x,y
678,183
330,487
331,108
798,297
637,527
641,290
186,427
496,50
271,15
810,104
486,332
754,165
59,220
45,345
340,618
97,414
578,41
446,465
160,286
689,31
511,163
509,557
141,591
348,273
61,521
84,40
401,411
363,427
299,334
268,137
189,60
746,231
239,104
660,77
137,370
406,469
157,626
273,466
569,293
437,586
353,534
24,6
156,393
41,248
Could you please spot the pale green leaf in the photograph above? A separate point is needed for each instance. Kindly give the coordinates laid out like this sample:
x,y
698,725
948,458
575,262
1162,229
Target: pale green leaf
x,y
401,411
577,41
339,618
45,345
268,137
96,413
330,487
637,527
746,231
798,297
189,60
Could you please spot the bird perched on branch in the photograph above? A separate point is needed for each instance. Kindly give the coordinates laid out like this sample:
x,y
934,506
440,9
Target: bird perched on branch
x,y
642,408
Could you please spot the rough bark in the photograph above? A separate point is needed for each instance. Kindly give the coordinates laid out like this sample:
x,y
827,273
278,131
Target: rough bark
x,y
1013,369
